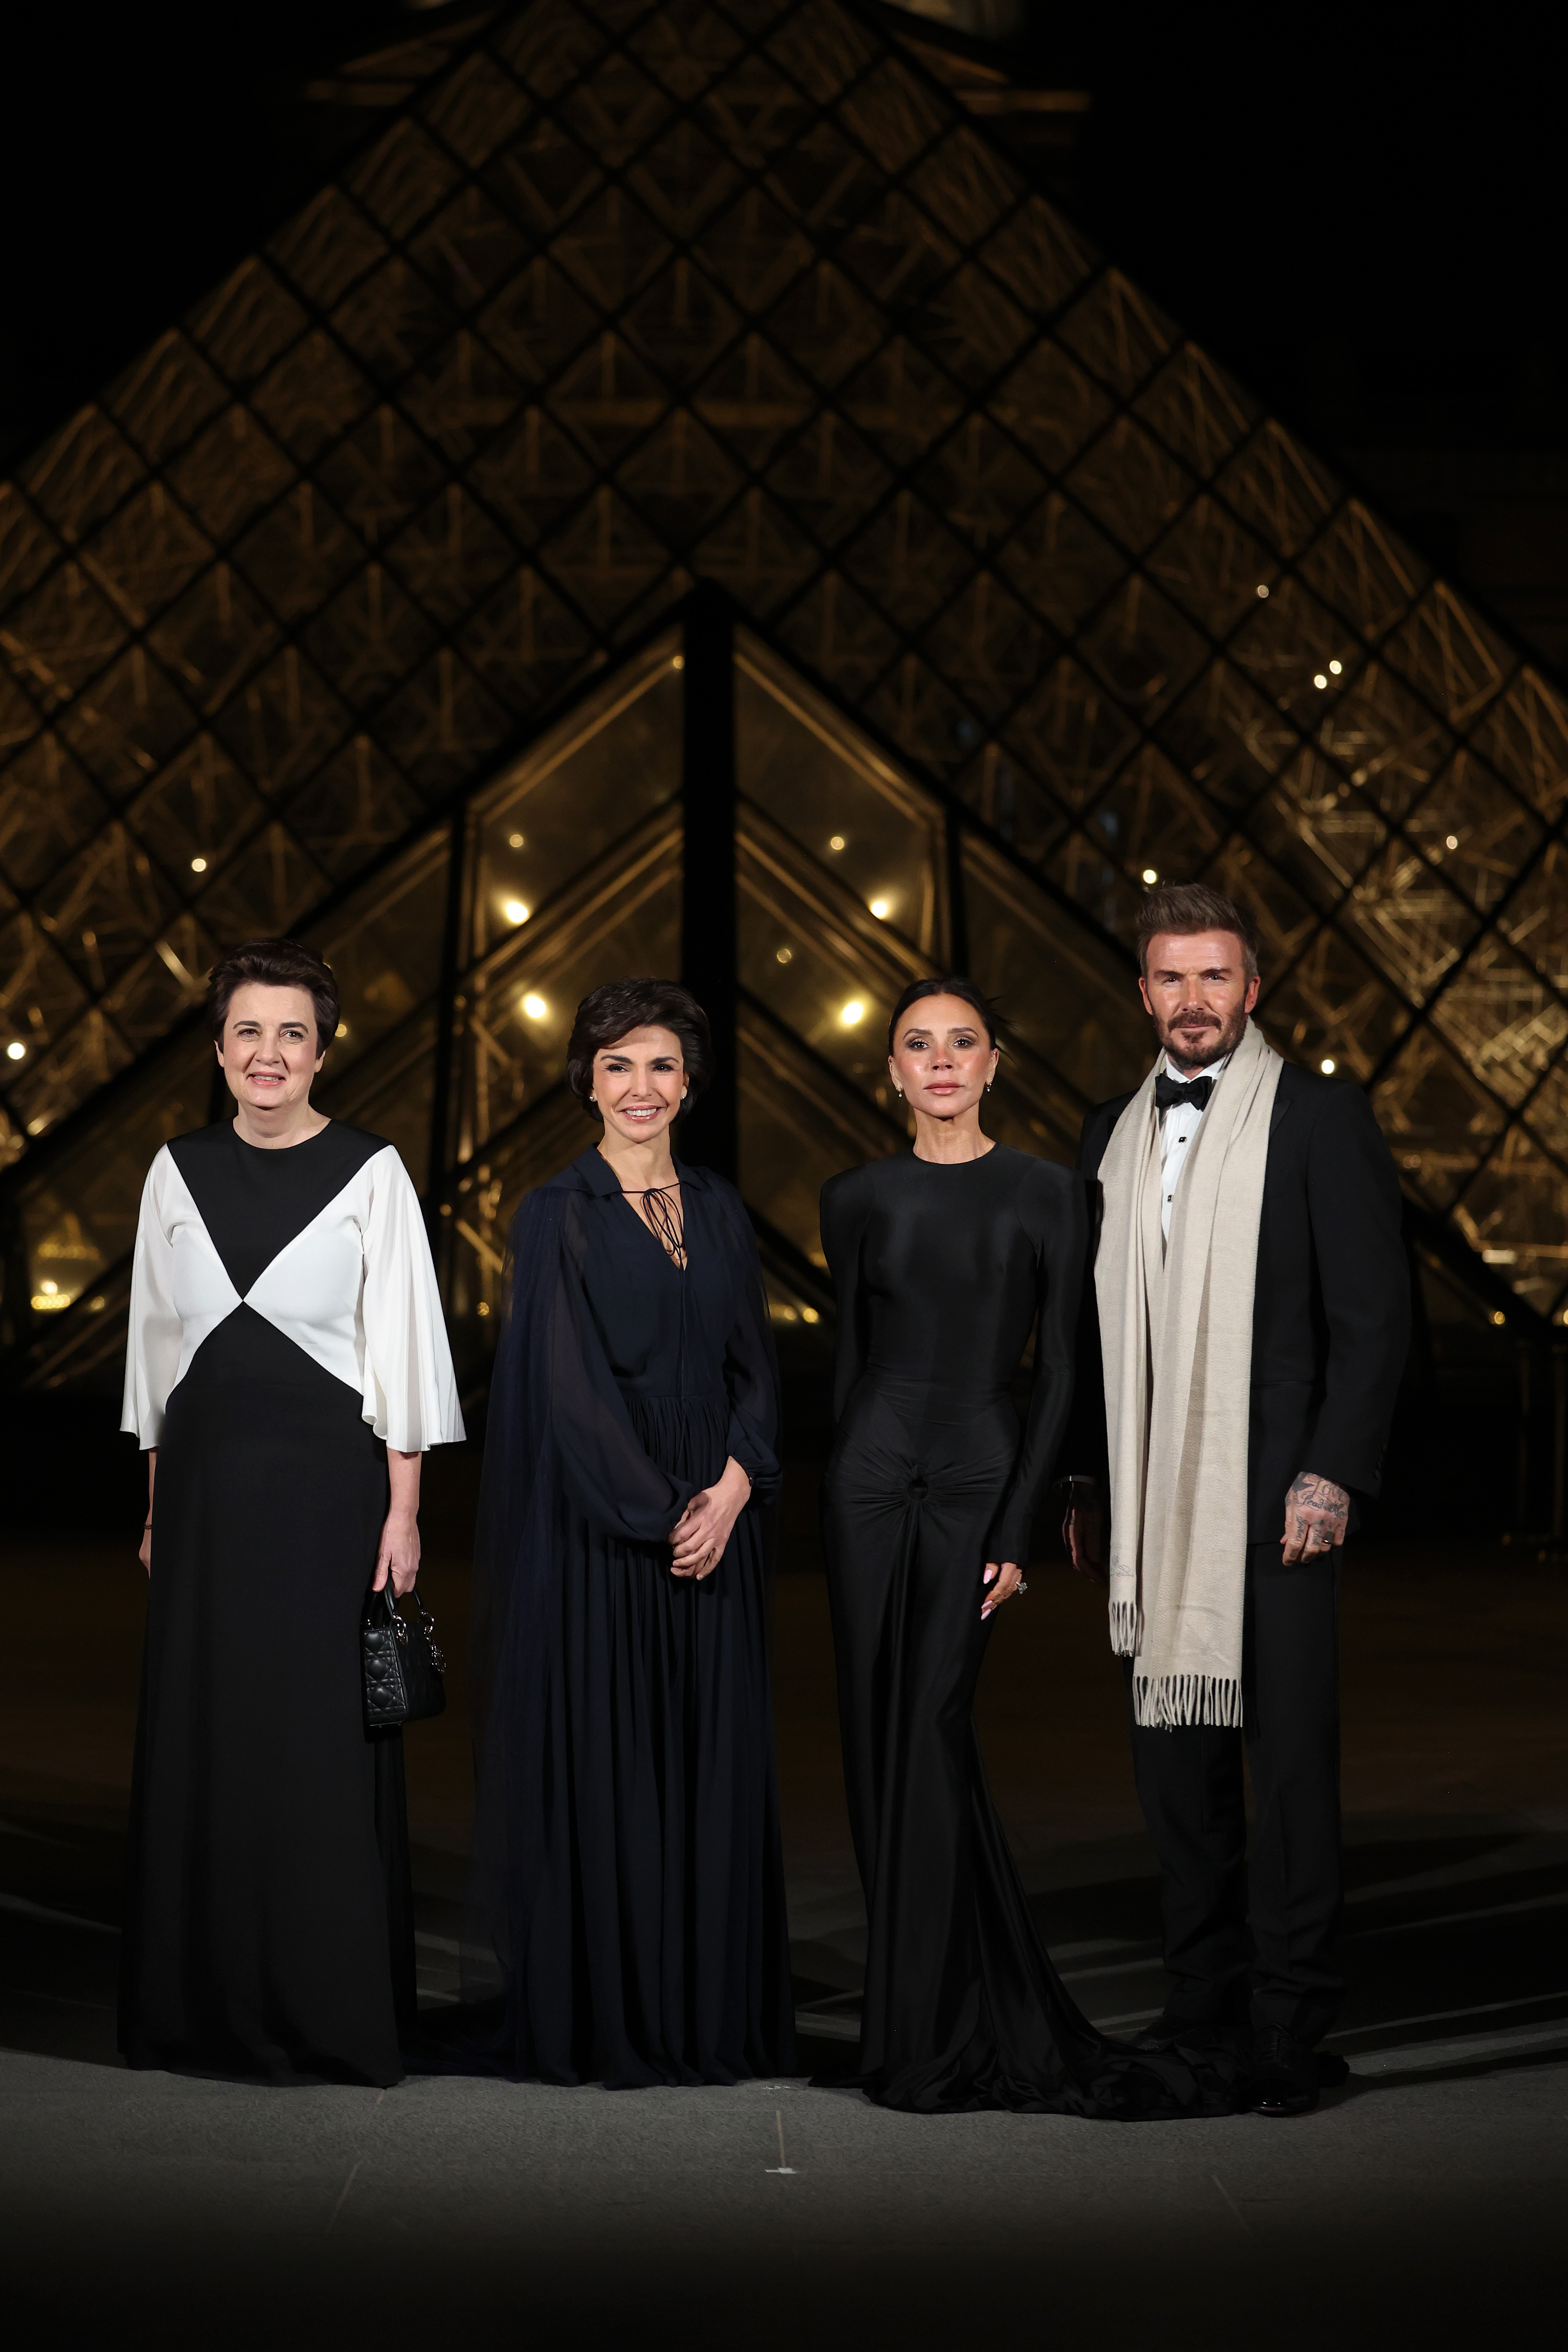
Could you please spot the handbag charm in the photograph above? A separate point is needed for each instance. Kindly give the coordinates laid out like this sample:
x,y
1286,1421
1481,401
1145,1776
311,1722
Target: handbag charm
x,y
402,1666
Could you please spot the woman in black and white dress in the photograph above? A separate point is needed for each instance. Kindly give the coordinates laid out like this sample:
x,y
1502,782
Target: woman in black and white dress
x,y
288,1366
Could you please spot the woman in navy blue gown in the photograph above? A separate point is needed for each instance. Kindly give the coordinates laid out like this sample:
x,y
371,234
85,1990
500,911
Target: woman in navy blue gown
x,y
630,1879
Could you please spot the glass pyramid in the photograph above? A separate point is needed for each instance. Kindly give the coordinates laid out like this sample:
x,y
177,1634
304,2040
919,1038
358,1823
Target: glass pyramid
x,y
358,606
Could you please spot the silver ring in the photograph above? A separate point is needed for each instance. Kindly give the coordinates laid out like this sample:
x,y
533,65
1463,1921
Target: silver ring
x,y
1022,1586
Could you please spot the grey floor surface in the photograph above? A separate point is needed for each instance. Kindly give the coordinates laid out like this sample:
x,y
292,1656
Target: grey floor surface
x,y
188,2212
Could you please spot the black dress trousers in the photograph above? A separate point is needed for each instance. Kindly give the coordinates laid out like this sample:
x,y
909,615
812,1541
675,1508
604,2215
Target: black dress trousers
x,y
1191,1784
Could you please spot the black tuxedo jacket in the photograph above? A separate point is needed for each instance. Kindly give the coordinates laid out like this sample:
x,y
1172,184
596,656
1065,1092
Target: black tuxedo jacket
x,y
1330,1316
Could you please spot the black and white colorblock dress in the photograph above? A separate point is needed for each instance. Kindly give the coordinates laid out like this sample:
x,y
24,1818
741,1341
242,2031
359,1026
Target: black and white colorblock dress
x,y
285,1329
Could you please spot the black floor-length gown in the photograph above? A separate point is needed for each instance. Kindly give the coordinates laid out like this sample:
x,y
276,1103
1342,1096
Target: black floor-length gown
x,y
284,1321
941,1271
629,1880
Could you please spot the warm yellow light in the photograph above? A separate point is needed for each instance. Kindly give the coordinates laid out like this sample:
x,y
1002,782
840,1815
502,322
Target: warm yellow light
x,y
1149,875
1497,1315
534,1006
1327,1065
1334,668
48,1301
96,1305
341,1030
853,1013
879,908
1453,841
783,955
680,662
482,1309
1319,680
198,865
837,841
514,841
16,1050
809,1315
49,1287
514,910
1262,588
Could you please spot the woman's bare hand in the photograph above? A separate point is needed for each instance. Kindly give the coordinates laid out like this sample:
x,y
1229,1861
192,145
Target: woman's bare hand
x,y
1004,1580
398,1556
698,1539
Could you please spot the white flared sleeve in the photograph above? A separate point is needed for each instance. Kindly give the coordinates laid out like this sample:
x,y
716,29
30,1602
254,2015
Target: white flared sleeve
x,y
156,1336
410,1388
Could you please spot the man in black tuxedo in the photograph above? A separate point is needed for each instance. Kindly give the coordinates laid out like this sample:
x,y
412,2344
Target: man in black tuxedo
x,y
1330,1326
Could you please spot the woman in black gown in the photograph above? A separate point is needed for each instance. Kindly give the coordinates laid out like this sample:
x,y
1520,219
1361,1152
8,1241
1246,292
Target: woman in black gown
x,y
630,1879
286,1367
943,1258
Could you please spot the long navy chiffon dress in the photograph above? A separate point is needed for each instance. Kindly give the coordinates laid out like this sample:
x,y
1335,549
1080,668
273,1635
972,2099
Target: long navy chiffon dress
x,y
629,1883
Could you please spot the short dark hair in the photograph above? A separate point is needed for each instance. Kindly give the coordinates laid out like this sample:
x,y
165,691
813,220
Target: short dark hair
x,y
944,984
1185,908
275,963
606,1014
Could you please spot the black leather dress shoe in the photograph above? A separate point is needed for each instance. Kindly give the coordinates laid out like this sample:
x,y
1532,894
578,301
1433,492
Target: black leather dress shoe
x,y
1284,2075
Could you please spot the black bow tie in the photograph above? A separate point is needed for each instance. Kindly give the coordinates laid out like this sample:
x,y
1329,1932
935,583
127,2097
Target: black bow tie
x,y
1169,1092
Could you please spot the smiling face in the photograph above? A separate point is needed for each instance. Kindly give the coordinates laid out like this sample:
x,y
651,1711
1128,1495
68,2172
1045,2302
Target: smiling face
x,y
269,1050
942,1058
1199,991
639,1085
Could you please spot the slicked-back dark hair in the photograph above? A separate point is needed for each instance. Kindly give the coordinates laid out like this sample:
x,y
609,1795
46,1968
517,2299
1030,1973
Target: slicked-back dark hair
x,y
946,984
275,963
1185,908
608,1014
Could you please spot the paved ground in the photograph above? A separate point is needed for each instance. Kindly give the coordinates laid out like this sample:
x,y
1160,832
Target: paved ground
x,y
1426,2196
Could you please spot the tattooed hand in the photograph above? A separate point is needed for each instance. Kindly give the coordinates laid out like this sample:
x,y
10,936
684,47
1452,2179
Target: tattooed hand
x,y
1316,1511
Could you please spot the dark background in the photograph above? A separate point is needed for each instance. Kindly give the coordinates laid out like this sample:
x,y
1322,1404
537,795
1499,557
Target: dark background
x,y
1362,211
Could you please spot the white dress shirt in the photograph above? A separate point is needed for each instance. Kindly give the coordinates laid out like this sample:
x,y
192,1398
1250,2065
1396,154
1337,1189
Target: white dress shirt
x,y
1177,1127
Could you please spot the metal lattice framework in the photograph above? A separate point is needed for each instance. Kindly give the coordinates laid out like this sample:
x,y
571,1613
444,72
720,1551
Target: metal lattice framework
x,y
629,296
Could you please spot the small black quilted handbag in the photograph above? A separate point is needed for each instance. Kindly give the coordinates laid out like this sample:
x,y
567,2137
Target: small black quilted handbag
x,y
403,1667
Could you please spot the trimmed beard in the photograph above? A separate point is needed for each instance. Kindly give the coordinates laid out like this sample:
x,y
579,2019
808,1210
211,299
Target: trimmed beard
x,y
1230,1037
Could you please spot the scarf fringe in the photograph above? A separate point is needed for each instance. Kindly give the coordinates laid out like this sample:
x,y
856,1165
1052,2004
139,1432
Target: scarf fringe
x,y
1126,1629
1168,1702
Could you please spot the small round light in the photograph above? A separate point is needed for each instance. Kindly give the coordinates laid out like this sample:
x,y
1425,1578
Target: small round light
x,y
854,1013
1497,1315
482,1309
1327,1065
783,955
1319,680
341,1030
16,1050
879,908
198,865
1453,841
1149,875
837,841
1334,668
534,1006
1262,588
49,1289
514,841
514,910
680,662
97,1306
809,1315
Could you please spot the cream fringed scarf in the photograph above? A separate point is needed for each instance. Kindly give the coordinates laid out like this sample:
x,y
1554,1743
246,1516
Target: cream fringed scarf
x,y
1176,1329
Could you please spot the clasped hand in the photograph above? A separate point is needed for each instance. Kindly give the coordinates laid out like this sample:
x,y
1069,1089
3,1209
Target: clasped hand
x,y
698,1539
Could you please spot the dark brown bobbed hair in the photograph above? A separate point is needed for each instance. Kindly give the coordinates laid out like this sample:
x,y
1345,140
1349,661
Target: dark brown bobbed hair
x,y
948,984
1185,909
608,1014
275,963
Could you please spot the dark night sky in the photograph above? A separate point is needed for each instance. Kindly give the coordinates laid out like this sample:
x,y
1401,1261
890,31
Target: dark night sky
x,y
1366,221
